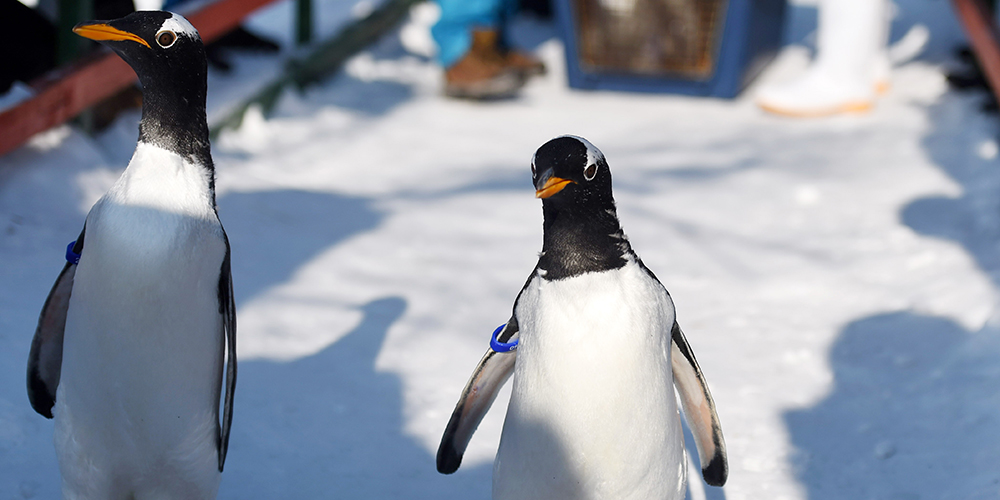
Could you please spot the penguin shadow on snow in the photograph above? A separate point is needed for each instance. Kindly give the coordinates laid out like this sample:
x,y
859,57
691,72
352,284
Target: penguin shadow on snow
x,y
972,219
272,233
331,425
327,424
911,415
955,219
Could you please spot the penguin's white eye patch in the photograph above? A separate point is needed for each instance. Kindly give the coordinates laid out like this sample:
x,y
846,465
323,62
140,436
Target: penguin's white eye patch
x,y
533,169
590,172
166,38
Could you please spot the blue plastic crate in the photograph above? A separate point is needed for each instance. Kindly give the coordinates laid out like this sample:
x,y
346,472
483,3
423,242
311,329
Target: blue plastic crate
x,y
733,52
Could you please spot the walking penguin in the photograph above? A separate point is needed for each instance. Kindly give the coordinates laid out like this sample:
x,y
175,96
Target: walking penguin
x,y
131,343
596,354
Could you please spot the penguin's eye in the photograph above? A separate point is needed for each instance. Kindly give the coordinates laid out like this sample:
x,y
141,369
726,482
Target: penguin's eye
x,y
590,172
166,38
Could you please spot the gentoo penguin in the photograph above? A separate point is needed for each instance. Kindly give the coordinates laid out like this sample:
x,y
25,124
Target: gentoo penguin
x,y
131,342
596,354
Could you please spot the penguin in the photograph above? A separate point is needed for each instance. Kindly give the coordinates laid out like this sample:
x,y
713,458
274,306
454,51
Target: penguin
x,y
131,344
596,354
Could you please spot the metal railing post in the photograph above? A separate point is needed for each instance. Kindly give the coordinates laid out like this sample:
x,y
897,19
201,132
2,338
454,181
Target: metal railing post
x,y
303,21
68,44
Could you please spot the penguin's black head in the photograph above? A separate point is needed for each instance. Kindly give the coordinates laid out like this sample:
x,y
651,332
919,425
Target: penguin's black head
x,y
166,53
571,170
162,47
581,229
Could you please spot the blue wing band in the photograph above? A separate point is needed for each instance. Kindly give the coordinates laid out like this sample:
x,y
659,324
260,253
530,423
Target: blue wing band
x,y
71,256
498,346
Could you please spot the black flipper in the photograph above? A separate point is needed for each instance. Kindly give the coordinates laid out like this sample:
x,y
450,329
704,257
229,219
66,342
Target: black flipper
x,y
699,409
45,357
477,398
227,307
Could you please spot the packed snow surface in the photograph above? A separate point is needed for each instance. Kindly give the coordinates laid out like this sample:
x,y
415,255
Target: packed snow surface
x,y
837,278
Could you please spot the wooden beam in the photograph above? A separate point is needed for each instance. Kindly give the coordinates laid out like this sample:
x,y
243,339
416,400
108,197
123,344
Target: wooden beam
x,y
984,36
77,89
65,92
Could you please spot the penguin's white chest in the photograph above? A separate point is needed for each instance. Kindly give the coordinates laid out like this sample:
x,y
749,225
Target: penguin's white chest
x,y
142,355
592,412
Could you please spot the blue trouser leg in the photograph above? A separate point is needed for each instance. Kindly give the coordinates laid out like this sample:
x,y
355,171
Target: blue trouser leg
x,y
453,31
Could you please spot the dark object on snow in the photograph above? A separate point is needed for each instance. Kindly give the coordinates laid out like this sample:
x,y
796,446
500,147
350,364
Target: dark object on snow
x,y
972,78
28,40
695,47
27,44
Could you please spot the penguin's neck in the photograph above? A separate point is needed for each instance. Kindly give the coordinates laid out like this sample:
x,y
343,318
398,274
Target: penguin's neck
x,y
174,119
161,180
581,239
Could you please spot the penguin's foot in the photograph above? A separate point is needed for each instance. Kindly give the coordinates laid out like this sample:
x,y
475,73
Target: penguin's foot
x,y
882,87
818,93
816,112
882,73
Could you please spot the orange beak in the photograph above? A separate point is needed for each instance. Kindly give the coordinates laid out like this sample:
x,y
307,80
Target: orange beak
x,y
101,31
552,186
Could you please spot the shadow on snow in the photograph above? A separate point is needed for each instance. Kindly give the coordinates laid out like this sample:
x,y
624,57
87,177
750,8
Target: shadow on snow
x,y
331,425
913,410
273,233
912,414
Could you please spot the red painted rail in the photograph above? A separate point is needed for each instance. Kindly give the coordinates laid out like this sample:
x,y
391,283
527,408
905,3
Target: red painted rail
x,y
65,92
981,28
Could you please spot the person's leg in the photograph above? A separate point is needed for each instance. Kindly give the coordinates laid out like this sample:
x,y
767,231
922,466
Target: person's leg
x,y
467,35
453,31
524,63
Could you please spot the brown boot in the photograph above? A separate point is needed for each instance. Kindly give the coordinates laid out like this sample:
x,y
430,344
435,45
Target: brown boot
x,y
524,63
482,73
487,44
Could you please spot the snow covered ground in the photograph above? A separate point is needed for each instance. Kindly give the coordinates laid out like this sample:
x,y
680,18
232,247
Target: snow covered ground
x,y
837,278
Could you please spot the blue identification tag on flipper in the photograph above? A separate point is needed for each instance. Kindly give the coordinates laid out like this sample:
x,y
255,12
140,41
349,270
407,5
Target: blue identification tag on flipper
x,y
498,346
71,256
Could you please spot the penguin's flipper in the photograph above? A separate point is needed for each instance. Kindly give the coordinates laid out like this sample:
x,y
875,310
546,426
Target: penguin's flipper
x,y
227,307
477,397
699,409
45,357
